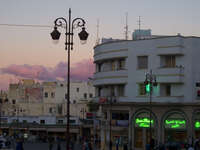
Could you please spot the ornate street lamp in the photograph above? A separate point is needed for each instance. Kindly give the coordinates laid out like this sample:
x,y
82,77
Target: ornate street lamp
x,y
149,82
111,100
69,25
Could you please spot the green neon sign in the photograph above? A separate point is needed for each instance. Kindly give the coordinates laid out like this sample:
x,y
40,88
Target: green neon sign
x,y
197,124
143,122
175,123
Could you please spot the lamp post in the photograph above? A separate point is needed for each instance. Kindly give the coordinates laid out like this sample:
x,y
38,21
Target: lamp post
x,y
149,82
110,101
69,26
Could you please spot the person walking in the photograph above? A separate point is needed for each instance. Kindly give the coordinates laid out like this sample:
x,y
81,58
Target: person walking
x,y
58,143
50,140
19,145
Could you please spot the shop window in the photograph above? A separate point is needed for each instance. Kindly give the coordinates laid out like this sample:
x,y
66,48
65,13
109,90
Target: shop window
x,y
139,140
143,120
142,62
175,121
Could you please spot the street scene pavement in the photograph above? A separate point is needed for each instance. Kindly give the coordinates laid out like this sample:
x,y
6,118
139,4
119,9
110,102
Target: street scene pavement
x,y
45,146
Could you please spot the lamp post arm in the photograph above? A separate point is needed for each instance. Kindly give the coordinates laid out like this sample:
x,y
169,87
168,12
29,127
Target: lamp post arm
x,y
77,22
60,21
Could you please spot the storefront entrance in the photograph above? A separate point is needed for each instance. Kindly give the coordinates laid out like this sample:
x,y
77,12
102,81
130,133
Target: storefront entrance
x,y
142,137
175,128
142,126
178,136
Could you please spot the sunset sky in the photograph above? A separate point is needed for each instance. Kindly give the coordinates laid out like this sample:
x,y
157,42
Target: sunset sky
x,y
28,52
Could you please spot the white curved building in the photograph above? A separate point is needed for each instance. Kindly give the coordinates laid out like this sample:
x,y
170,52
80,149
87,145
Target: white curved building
x,y
119,81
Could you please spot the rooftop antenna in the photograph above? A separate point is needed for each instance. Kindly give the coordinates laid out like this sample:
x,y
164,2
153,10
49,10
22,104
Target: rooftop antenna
x,y
139,23
97,40
126,27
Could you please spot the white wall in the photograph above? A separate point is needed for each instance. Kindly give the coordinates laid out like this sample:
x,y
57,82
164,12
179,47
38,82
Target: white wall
x,y
182,78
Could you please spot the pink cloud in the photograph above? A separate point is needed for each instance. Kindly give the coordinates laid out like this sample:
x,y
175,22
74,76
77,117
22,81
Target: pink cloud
x,y
79,71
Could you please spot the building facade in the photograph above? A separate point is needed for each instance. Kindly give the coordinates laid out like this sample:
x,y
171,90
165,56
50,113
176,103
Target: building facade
x,y
42,106
121,68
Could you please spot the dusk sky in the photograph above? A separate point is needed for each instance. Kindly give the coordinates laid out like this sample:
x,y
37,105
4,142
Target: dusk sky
x,y
28,52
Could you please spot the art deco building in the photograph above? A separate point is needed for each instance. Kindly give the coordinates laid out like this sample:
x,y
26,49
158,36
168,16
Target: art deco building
x,y
121,69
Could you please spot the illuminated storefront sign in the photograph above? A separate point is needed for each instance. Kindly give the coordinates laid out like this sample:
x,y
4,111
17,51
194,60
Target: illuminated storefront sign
x,y
143,122
175,123
197,124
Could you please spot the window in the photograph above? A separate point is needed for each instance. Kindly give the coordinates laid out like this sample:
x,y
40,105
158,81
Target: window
x,y
142,62
120,90
77,90
112,91
121,64
46,94
105,115
72,121
112,65
168,90
52,94
42,121
99,67
60,121
120,116
141,89
85,95
169,61
13,101
50,110
91,95
99,91
165,90
24,121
